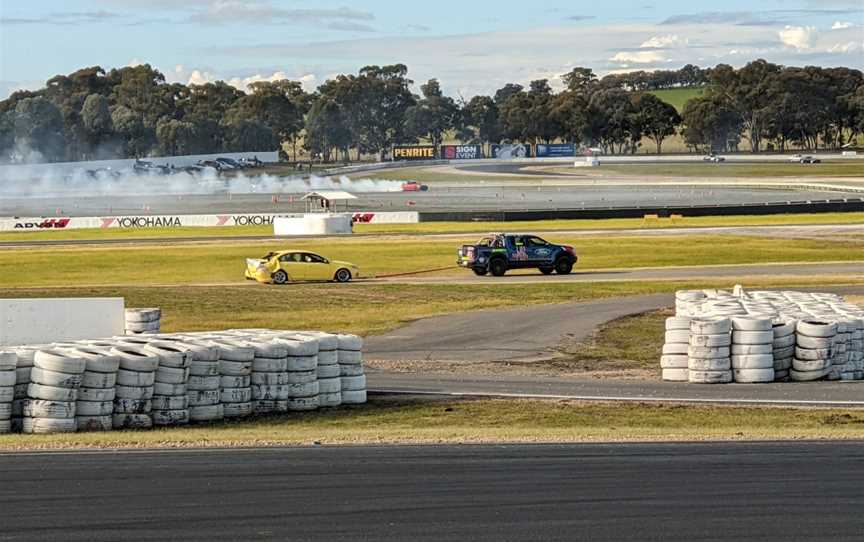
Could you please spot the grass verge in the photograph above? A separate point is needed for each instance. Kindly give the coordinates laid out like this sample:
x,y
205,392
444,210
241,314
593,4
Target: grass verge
x,y
221,263
366,309
394,421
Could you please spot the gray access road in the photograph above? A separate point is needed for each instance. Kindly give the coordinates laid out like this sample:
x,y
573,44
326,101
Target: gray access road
x,y
522,333
778,270
770,491
805,394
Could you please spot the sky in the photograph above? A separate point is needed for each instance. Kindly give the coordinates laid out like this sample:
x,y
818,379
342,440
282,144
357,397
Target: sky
x,y
470,47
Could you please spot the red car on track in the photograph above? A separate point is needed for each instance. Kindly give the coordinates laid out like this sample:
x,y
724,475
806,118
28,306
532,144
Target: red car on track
x,y
414,186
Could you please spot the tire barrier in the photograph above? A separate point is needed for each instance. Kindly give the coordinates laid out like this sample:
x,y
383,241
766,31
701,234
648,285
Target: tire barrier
x,y
143,321
8,365
763,336
145,380
55,377
351,371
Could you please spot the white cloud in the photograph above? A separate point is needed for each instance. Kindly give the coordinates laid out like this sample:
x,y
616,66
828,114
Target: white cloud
x,y
843,48
840,25
181,74
662,42
798,37
639,57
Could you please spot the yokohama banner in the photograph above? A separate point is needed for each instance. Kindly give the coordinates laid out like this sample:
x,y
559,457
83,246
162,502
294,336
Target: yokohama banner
x,y
461,152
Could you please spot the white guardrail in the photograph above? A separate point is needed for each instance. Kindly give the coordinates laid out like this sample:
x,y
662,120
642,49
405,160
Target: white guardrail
x,y
176,221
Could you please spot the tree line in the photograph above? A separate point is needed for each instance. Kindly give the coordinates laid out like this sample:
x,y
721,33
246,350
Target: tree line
x,y
134,112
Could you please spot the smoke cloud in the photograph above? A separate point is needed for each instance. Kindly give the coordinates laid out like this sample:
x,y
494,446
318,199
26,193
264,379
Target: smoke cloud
x,y
31,183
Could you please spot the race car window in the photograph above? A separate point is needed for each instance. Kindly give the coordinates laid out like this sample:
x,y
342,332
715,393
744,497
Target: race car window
x,y
535,242
485,242
292,257
313,258
498,243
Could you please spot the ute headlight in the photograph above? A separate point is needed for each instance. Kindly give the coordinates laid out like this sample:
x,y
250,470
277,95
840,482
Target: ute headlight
x,y
481,259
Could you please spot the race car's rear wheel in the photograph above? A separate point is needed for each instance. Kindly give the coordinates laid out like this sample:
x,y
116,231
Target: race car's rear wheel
x,y
343,275
280,277
498,267
547,270
563,266
480,272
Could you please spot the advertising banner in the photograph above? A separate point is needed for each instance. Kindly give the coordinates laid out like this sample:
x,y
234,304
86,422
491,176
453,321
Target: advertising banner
x,y
461,152
507,151
413,152
543,150
176,221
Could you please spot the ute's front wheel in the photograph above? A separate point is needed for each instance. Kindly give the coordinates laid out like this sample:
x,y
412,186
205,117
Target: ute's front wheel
x,y
480,272
546,270
498,267
563,266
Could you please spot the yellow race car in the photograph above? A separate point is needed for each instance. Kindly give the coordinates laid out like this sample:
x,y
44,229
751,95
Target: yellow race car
x,y
295,265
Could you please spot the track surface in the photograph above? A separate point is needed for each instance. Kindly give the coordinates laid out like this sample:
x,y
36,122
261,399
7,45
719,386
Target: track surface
x,y
697,492
811,394
454,197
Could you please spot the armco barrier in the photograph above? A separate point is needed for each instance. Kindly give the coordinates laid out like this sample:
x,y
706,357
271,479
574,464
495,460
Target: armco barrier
x,y
824,206
37,321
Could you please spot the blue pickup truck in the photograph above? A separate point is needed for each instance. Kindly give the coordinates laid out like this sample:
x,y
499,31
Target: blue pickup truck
x,y
498,252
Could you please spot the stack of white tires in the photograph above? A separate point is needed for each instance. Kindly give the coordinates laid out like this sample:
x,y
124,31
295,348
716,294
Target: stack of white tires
x,y
170,391
752,349
8,363
709,353
94,407
52,392
23,368
328,371
302,372
814,342
133,393
351,371
269,377
143,321
783,348
235,377
204,383
856,345
674,361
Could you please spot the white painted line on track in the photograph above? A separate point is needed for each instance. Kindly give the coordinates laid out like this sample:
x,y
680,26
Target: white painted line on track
x,y
614,398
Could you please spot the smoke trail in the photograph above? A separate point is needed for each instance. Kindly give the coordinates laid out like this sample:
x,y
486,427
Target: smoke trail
x,y
35,184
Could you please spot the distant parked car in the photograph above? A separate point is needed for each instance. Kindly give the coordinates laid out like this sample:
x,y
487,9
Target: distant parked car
x,y
251,162
230,163
713,158
810,160
211,164
796,158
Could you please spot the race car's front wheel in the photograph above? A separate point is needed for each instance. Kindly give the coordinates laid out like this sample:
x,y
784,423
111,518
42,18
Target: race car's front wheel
x,y
480,272
563,266
547,270
280,277
343,275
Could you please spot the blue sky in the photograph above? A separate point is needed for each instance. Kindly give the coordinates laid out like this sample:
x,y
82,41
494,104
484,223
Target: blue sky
x,y
471,47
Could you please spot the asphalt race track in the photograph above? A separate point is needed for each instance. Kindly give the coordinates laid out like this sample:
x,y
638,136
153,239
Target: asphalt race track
x,y
780,492
470,197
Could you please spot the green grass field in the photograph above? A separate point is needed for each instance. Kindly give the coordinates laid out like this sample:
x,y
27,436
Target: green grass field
x,y
392,421
366,308
449,227
677,97
220,263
